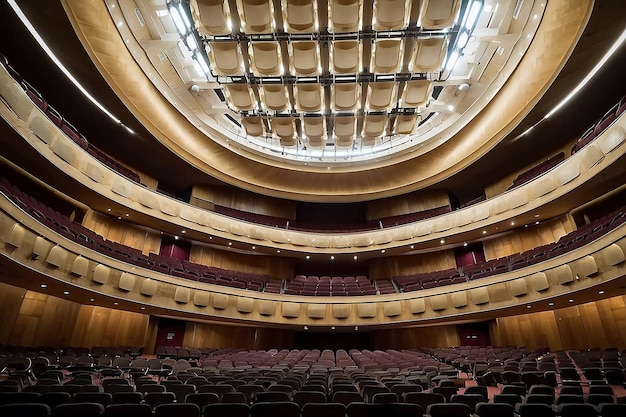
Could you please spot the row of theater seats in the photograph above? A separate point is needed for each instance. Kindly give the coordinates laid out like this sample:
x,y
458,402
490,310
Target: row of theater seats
x,y
260,282
327,286
428,385
537,170
585,234
66,127
390,221
167,265
597,128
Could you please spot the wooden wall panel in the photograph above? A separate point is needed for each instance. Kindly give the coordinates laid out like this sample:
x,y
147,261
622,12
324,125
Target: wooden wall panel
x,y
274,339
414,264
216,335
436,336
528,238
123,232
206,195
277,268
44,321
10,302
100,326
597,324
405,204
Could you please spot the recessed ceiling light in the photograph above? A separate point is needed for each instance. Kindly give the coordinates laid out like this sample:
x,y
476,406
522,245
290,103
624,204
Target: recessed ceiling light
x,y
230,243
109,209
570,300
412,246
332,257
308,257
66,293
484,232
464,243
277,250
601,292
550,303
356,257
44,285
115,303
528,306
143,308
442,241
382,251
512,223
92,299
183,231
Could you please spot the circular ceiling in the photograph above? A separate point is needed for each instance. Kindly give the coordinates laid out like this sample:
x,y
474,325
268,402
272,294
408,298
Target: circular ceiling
x,y
330,83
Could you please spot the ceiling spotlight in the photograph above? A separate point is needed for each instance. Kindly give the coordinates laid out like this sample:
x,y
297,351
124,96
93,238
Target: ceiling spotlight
x,y
442,241
308,257
116,303
306,327
143,308
254,248
332,257
183,232
528,307
332,328
356,257
412,246
551,304
66,293
570,300
464,243
277,250
44,285
92,299
356,328
601,292
230,243
175,237
382,251
484,232
512,223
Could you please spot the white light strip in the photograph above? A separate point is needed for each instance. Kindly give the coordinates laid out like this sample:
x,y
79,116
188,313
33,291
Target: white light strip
x,y
591,74
580,86
57,62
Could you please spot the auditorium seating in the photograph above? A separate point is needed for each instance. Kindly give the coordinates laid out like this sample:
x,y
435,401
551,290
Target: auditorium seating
x,y
537,170
67,127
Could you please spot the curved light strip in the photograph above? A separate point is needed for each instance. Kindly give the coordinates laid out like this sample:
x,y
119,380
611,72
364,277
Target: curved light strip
x,y
616,45
60,65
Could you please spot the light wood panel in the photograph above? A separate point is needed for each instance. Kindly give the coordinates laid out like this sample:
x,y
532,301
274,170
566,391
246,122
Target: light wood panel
x,y
99,326
36,319
524,239
437,336
414,264
10,302
123,232
44,321
278,268
596,324
215,335
409,203
242,200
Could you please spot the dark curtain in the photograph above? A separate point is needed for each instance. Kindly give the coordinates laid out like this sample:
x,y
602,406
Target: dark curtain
x,y
469,255
177,249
